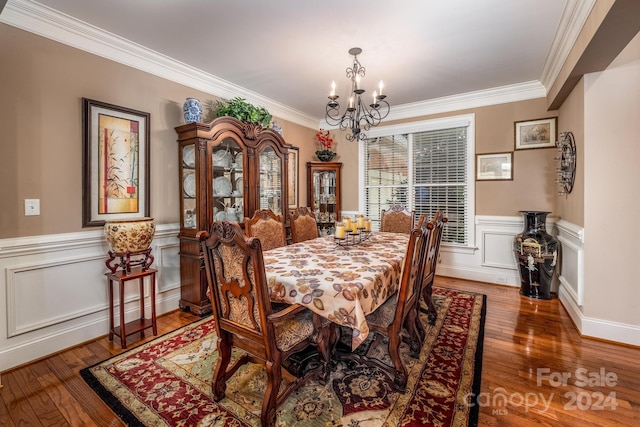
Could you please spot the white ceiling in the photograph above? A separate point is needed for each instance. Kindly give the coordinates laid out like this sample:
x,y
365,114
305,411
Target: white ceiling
x,y
289,51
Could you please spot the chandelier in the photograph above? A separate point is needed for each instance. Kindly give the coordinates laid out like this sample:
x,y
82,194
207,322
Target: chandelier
x,y
358,117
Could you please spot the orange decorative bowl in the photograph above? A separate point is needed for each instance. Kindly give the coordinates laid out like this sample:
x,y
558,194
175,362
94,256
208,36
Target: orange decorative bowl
x,y
129,235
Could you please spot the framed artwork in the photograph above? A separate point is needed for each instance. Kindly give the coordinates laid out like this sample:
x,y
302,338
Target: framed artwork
x,y
494,166
115,163
540,133
292,174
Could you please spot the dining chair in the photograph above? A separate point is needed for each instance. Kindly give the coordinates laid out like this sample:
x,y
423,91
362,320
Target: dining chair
x,y
432,252
244,318
397,219
267,227
398,313
303,225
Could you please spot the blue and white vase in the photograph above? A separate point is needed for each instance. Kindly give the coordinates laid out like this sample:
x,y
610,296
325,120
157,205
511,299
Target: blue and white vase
x,y
192,110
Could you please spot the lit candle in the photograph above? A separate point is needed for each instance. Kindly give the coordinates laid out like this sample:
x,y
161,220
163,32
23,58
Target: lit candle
x,y
357,82
380,87
333,88
340,231
375,97
367,225
360,221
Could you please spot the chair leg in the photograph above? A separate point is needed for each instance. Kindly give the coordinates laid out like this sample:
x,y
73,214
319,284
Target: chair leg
x,y
415,338
219,385
432,313
400,379
274,378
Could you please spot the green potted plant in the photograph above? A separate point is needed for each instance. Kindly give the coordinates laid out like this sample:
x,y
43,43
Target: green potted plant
x,y
240,109
325,154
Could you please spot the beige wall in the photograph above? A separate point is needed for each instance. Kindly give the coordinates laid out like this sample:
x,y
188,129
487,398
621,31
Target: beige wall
x,y
611,202
571,118
533,186
42,83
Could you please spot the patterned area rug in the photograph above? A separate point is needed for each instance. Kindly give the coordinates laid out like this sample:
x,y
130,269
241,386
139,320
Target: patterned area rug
x,y
167,381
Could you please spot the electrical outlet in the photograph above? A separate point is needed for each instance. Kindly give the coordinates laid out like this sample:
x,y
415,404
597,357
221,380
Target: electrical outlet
x,y
31,207
501,279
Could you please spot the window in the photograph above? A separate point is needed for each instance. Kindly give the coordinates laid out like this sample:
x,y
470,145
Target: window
x,y
425,166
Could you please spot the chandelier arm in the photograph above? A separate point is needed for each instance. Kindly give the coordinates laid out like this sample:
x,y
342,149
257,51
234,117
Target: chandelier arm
x,y
357,117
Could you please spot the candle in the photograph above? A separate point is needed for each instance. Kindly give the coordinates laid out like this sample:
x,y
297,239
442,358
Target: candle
x,y
367,225
351,102
333,89
357,82
375,97
380,87
354,227
340,231
347,223
360,221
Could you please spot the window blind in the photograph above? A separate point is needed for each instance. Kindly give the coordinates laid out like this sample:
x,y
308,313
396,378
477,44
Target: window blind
x,y
425,171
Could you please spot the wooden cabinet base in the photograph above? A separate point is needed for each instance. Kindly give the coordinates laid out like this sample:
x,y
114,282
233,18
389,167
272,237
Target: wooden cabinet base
x,y
201,309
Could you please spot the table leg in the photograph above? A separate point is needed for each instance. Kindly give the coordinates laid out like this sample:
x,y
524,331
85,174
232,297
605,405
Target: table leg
x,y
111,308
123,333
153,304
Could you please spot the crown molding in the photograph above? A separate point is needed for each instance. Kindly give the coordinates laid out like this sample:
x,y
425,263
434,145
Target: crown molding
x,y
46,22
574,16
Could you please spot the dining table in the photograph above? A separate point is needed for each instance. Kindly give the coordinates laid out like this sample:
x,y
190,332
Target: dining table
x,y
340,283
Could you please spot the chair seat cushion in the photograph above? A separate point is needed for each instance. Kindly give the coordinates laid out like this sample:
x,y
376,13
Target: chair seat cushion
x,y
383,315
291,331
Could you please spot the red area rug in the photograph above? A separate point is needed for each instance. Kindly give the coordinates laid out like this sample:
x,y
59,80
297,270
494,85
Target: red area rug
x,y
167,381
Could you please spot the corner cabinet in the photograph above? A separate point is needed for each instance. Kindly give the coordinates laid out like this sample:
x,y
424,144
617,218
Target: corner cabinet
x,y
323,193
228,169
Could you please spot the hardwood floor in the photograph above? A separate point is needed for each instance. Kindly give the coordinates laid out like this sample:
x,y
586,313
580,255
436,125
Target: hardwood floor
x,y
529,346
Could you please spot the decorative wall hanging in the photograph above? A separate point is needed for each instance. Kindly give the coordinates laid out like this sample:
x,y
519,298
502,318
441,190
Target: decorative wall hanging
x,y
540,133
494,166
293,166
567,158
115,163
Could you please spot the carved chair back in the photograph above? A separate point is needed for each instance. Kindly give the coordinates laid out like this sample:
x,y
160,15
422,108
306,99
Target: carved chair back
x,y
303,225
267,227
397,219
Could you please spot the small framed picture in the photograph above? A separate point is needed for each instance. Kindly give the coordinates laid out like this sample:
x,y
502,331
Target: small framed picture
x,y
494,166
540,133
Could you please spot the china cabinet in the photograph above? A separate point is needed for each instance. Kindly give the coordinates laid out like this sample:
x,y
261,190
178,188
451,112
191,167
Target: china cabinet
x,y
228,169
323,193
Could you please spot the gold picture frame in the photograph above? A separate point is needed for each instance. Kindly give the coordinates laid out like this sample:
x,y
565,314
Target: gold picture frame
x,y
115,163
494,167
293,165
539,133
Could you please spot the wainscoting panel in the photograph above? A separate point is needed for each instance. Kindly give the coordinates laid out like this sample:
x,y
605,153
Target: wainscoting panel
x,y
45,294
54,291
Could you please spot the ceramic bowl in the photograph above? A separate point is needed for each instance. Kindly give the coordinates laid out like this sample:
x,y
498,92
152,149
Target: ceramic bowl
x,y
129,235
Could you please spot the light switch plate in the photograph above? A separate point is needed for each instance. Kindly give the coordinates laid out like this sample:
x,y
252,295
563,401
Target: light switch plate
x,y
31,207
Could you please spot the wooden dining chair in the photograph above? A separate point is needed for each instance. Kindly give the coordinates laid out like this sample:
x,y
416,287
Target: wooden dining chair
x,y
432,252
303,225
397,315
244,318
267,227
397,219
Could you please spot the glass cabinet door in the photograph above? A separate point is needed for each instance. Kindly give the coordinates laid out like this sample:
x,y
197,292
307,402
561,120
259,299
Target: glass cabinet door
x,y
227,169
188,184
270,182
324,197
